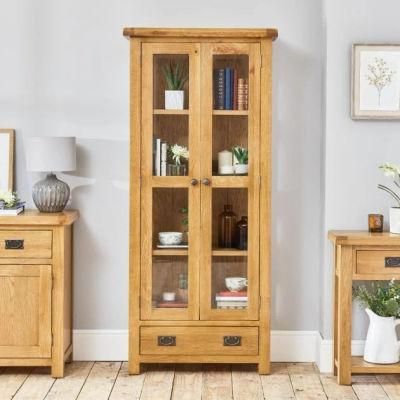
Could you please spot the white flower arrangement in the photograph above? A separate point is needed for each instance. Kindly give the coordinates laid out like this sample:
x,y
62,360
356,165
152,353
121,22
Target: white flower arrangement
x,y
178,152
393,171
8,199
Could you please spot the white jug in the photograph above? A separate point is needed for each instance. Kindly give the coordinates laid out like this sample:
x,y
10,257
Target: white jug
x,y
382,345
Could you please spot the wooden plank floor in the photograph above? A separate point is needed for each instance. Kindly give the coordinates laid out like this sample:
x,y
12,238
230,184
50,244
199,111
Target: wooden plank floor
x,y
110,380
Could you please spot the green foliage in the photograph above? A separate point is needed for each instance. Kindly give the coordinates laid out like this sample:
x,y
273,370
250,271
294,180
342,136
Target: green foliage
x,y
175,76
382,298
241,154
185,219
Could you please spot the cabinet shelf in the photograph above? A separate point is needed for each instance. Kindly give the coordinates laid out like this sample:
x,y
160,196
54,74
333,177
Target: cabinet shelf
x,y
231,112
170,252
359,366
229,252
160,111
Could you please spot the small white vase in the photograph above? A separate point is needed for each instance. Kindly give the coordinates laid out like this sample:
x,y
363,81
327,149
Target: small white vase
x,y
241,168
394,218
381,345
174,99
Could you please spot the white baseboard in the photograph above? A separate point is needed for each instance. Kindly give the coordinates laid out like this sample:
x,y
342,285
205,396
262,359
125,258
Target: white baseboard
x,y
286,346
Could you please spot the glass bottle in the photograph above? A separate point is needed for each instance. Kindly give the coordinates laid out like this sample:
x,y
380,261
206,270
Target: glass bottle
x,y
183,287
227,227
241,233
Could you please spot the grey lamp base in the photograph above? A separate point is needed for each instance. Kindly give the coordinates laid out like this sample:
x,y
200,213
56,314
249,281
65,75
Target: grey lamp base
x,y
50,195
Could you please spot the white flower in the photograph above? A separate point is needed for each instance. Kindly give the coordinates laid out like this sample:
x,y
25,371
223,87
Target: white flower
x,y
391,170
8,197
178,152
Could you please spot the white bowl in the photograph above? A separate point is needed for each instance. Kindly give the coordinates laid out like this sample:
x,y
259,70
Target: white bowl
x,y
170,238
168,296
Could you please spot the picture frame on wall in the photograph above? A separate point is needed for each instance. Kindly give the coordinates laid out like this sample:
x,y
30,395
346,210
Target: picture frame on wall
x,y
7,137
375,81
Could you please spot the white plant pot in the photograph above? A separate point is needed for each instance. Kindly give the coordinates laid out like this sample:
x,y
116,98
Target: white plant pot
x,y
394,218
241,168
381,345
174,99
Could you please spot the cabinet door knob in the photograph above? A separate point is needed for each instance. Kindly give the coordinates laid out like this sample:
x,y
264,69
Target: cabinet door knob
x,y
206,182
194,182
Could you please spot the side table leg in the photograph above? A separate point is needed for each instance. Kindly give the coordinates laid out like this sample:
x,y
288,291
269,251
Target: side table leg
x,y
345,271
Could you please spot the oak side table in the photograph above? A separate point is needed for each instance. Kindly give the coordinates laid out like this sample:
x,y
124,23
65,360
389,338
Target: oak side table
x,y
36,289
359,256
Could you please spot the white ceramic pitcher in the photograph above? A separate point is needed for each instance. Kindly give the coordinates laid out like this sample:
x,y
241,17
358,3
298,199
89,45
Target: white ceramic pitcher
x,y
382,345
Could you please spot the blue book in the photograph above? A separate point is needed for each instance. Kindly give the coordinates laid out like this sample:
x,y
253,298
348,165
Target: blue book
x,y
228,90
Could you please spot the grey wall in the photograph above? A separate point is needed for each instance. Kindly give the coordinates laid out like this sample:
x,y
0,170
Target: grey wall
x,y
354,149
64,71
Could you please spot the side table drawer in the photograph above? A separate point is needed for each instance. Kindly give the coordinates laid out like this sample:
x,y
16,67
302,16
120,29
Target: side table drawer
x,y
199,340
385,262
25,244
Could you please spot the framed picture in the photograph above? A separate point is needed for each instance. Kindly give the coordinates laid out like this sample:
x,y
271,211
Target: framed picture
x,y
6,159
375,82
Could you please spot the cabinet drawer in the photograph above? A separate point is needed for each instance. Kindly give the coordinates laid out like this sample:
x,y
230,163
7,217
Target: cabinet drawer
x,y
378,262
25,244
199,340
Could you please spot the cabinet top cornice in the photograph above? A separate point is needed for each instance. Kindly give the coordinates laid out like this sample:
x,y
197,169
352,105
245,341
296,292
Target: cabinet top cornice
x,y
252,33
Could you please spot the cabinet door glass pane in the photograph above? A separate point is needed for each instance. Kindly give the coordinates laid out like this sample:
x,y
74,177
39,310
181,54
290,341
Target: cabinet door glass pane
x,y
229,272
230,115
170,238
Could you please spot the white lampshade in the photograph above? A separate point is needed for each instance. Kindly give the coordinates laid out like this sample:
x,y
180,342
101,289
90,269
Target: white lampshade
x,y
51,154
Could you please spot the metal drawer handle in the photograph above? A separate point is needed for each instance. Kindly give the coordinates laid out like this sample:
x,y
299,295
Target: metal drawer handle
x,y
392,262
17,244
166,340
232,340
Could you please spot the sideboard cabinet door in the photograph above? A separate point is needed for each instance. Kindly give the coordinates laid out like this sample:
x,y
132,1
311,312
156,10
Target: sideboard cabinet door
x,y
25,311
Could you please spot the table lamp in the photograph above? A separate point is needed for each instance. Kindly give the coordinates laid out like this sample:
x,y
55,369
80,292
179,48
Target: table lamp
x,y
51,154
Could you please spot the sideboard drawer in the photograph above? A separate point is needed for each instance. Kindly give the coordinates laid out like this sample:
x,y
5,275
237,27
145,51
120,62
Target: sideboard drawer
x,y
199,340
25,244
378,261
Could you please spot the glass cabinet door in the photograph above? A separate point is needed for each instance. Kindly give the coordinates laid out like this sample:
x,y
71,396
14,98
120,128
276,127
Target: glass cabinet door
x,y
230,181
170,193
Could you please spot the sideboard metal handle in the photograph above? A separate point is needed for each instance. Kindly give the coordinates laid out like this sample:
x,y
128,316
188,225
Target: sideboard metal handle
x,y
166,340
232,340
15,244
392,262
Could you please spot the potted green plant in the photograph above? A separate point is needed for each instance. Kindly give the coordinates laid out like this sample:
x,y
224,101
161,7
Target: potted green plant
x,y
175,79
382,302
175,154
392,171
240,160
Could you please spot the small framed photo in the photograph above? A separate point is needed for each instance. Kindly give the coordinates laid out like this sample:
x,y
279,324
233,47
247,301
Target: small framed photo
x,y
6,159
375,82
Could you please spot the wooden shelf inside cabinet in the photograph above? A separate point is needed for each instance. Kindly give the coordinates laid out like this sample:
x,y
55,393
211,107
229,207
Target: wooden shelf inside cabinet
x,y
170,112
231,112
359,366
229,252
230,181
170,252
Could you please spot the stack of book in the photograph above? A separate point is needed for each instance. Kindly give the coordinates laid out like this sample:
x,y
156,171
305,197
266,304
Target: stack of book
x,y
231,300
230,92
17,209
160,157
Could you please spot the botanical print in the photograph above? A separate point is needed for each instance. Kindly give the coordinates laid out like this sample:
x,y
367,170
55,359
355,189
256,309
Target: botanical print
x,y
4,161
379,80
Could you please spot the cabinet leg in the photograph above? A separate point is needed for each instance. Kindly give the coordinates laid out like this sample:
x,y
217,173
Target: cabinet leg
x,y
134,368
264,368
57,369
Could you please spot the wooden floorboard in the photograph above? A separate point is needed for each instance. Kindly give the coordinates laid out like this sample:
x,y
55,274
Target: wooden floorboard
x,y
110,380
100,381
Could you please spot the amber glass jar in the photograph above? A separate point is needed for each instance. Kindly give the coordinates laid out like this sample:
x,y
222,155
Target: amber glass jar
x,y
227,227
241,233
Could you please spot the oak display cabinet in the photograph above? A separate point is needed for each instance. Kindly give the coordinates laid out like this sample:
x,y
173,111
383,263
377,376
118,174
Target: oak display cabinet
x,y
195,327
